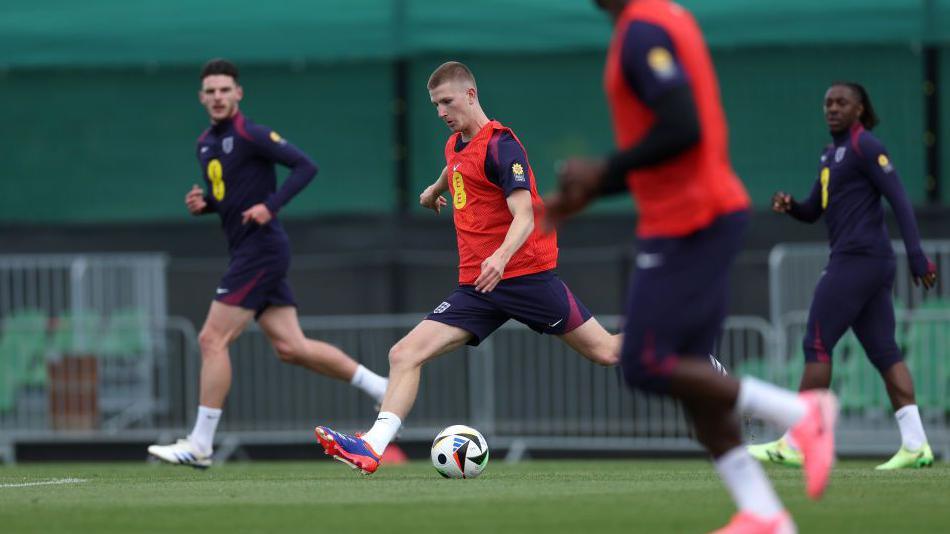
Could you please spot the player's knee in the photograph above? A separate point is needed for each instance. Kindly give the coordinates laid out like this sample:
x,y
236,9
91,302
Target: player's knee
x,y
884,360
608,356
289,351
211,342
609,353
402,355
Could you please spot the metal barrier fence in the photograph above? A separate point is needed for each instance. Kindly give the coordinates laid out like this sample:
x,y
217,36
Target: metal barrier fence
x,y
794,269
78,338
524,391
517,386
79,284
113,391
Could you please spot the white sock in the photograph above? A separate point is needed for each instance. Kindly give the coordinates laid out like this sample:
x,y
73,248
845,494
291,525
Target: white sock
x,y
912,429
378,437
205,425
770,403
370,382
750,488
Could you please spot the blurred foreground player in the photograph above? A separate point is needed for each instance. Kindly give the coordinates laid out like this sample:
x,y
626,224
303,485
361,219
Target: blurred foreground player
x,y
506,263
855,288
673,156
237,159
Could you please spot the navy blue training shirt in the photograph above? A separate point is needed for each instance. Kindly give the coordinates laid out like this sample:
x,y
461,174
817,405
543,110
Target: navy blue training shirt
x,y
854,172
237,160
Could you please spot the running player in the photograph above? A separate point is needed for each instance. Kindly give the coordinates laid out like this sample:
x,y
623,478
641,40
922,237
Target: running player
x,y
673,156
855,288
506,263
237,159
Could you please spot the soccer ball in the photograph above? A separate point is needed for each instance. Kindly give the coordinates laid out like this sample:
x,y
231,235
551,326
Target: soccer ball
x,y
459,451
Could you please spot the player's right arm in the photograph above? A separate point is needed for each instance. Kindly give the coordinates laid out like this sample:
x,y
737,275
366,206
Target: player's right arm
x,y
431,198
654,73
196,202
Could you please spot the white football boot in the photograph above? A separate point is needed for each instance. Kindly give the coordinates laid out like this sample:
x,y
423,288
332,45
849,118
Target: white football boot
x,y
183,452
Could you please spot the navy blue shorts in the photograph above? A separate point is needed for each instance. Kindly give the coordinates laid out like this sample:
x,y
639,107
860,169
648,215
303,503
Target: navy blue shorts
x,y
256,279
541,301
854,291
677,300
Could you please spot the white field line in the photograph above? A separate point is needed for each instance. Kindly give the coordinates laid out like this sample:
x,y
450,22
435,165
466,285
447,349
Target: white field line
x,y
53,482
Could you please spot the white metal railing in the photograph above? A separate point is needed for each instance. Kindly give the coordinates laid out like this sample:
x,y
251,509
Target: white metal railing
x,y
794,269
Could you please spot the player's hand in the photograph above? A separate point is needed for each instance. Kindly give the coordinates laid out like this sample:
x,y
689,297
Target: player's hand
x,y
432,200
578,183
781,202
928,280
929,277
492,270
195,200
257,213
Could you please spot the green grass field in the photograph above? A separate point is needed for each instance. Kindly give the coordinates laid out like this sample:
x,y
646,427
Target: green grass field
x,y
537,496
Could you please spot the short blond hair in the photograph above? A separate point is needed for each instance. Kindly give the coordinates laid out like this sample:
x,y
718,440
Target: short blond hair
x,y
450,71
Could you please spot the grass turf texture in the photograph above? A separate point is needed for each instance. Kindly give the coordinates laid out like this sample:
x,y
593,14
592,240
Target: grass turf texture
x,y
538,496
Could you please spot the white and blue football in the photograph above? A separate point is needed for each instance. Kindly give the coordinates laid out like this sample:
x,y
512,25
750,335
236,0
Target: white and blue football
x,y
459,451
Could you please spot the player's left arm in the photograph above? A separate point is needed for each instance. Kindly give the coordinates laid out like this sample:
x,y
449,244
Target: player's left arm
x,y
653,71
884,176
506,165
270,145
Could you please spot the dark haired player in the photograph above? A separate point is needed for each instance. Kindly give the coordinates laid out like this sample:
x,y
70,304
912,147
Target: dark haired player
x,y
855,288
506,263
673,156
237,160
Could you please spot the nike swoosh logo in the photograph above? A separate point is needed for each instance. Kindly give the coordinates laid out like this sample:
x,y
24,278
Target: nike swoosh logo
x,y
220,291
555,324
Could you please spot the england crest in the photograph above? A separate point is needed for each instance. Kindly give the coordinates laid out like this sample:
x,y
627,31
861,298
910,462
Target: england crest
x,y
227,144
839,154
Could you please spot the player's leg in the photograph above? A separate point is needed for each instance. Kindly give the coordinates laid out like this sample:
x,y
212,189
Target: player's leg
x,y
282,327
915,450
581,331
543,302
222,326
465,317
427,340
674,310
595,343
719,432
839,297
712,400
875,328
